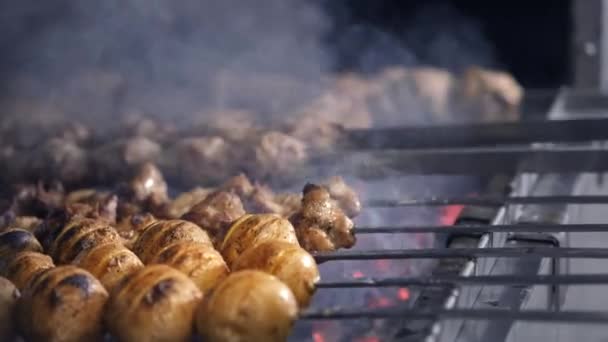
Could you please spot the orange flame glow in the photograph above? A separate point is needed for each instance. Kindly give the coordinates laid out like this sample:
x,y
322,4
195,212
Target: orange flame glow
x,y
449,214
403,294
318,337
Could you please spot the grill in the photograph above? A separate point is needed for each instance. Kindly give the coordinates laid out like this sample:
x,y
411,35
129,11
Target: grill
x,y
507,262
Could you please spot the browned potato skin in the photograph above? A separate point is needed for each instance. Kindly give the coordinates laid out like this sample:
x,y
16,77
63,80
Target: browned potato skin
x,y
199,261
9,295
248,306
16,240
25,266
64,303
251,230
109,263
83,241
163,233
69,232
156,303
290,263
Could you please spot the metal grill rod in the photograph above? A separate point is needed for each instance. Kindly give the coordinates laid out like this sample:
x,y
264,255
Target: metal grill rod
x,y
487,201
482,229
491,134
441,253
448,281
477,314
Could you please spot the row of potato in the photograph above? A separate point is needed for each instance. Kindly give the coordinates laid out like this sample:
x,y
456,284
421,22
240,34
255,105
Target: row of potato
x,y
170,285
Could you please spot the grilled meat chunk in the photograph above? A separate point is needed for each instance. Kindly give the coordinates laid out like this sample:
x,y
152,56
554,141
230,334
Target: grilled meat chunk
x,y
116,160
278,154
149,186
321,225
215,213
345,196
184,202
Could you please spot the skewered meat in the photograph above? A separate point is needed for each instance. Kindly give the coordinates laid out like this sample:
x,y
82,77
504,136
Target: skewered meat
x,y
199,160
59,159
137,124
240,185
109,263
248,306
116,160
318,133
288,262
278,154
149,186
9,295
215,213
64,303
251,230
163,233
320,224
80,235
23,267
14,241
230,124
131,227
492,95
156,303
184,202
199,261
97,205
433,88
345,196
37,199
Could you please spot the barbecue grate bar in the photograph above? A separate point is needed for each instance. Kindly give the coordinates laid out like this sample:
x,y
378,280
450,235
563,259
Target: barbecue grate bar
x,y
487,201
481,229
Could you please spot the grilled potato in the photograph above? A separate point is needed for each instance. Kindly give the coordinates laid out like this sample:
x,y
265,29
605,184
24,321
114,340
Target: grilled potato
x,y
25,266
16,240
248,306
163,233
290,263
251,230
8,300
109,263
156,303
64,303
199,261
81,236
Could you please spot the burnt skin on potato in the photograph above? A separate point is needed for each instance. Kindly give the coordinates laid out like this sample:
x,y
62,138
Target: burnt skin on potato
x,y
22,268
9,295
163,233
14,241
109,263
251,230
80,237
199,261
156,303
64,303
289,262
248,306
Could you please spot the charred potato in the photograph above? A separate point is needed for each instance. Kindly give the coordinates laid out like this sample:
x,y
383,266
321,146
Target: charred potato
x,y
25,266
164,233
156,303
8,301
64,303
109,263
199,261
251,230
78,238
248,306
290,263
16,240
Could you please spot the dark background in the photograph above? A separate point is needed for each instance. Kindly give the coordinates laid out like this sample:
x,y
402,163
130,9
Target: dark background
x,y
531,38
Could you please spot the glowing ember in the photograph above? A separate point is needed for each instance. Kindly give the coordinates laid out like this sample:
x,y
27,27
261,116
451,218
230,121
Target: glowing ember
x,y
403,294
318,337
358,274
449,214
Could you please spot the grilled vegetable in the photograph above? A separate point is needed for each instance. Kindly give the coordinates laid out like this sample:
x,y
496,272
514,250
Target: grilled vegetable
x,y
156,303
163,233
251,230
290,263
199,261
248,306
109,263
25,266
81,235
8,300
64,303
14,241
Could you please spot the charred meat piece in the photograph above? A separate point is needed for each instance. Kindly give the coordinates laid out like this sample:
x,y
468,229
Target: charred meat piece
x,y
278,155
37,199
321,225
117,160
99,206
149,186
215,213
184,202
318,133
138,124
345,196
240,185
58,159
